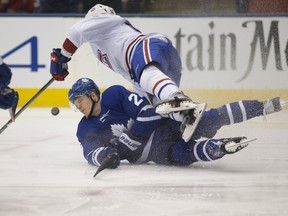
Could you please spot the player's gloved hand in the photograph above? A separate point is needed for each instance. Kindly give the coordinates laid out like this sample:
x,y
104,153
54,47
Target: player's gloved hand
x,y
112,159
129,140
8,98
5,74
59,66
101,154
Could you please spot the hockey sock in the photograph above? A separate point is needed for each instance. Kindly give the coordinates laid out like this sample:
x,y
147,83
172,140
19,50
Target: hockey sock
x,y
228,114
157,83
186,153
240,111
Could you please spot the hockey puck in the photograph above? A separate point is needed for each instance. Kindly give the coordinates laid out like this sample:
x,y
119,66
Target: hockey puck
x,y
55,111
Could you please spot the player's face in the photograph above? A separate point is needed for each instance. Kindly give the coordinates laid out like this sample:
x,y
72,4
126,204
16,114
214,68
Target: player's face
x,y
83,104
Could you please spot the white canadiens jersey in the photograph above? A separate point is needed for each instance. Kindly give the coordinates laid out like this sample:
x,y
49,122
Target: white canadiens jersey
x,y
112,39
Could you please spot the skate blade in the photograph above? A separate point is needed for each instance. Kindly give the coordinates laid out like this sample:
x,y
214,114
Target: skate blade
x,y
241,143
232,147
189,129
165,109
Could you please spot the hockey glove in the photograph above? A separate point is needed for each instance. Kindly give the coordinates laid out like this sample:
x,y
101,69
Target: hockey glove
x,y
101,154
8,98
129,140
5,74
59,66
112,161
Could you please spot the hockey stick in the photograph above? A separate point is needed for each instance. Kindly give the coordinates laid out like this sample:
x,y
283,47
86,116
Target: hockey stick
x,y
107,162
27,104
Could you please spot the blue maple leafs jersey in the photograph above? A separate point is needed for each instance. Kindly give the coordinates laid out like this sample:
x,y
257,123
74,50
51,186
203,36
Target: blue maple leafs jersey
x,y
121,110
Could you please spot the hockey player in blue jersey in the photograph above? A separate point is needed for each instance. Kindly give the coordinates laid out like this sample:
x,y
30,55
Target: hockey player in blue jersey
x,y
121,125
8,97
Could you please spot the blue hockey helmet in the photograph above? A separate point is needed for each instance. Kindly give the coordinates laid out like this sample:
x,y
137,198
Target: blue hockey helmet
x,y
82,86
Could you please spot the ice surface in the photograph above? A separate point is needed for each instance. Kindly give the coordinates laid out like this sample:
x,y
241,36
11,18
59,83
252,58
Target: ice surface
x,y
43,172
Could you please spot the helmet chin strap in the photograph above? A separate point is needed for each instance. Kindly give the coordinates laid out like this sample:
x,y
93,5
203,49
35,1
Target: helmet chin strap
x,y
92,108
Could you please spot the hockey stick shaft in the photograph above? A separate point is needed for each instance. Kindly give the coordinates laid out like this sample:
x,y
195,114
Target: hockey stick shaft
x,y
27,104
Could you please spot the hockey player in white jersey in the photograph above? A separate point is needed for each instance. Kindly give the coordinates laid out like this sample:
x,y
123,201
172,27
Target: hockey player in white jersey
x,y
148,60
8,96
121,125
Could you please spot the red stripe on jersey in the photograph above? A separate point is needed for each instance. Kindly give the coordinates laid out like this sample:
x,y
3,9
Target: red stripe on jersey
x,y
155,86
100,56
147,51
127,52
69,46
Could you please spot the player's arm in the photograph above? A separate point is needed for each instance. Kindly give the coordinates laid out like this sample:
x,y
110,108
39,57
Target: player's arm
x,y
139,109
98,155
95,151
94,147
61,56
8,97
143,113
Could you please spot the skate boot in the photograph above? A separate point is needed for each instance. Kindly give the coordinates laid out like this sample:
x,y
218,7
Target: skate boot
x,y
192,113
233,145
273,105
180,102
191,120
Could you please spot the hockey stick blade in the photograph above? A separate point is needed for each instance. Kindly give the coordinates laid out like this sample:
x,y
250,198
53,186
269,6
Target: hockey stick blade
x,y
12,114
12,110
107,162
27,104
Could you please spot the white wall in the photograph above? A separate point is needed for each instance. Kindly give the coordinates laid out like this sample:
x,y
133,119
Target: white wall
x,y
195,35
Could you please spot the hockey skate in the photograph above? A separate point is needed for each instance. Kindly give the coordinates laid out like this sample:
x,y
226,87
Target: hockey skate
x,y
273,105
233,145
180,102
191,120
192,113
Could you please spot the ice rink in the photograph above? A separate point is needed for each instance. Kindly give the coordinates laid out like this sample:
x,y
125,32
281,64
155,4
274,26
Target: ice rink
x,y
43,172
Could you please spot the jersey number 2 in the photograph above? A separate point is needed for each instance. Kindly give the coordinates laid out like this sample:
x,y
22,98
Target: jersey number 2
x,y
135,99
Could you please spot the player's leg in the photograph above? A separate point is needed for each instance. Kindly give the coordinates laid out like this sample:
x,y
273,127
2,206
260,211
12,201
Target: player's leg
x,y
162,73
233,113
169,98
179,107
208,150
273,105
156,66
247,109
